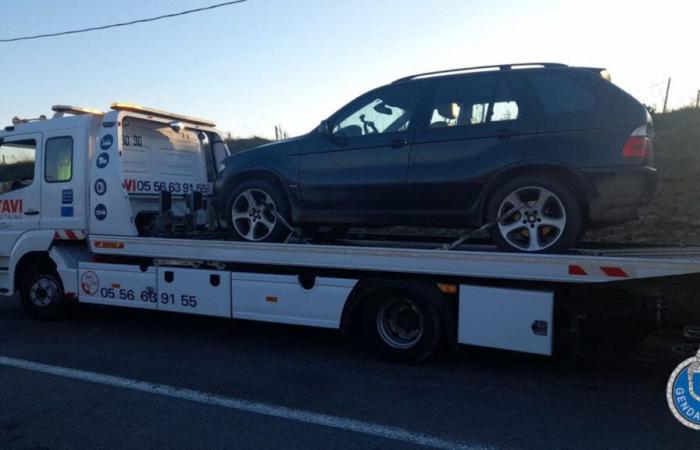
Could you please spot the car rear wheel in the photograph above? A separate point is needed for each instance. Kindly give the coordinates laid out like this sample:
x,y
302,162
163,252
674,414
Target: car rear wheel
x,y
253,212
535,214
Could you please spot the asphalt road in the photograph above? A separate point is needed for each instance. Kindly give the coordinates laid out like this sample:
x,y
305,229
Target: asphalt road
x,y
476,398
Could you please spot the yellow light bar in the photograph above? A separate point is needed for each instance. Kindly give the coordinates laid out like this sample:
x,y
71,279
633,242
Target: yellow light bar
x,y
76,110
130,107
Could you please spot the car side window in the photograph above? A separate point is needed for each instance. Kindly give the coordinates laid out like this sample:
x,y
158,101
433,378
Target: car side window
x,y
17,161
466,102
58,167
559,94
386,110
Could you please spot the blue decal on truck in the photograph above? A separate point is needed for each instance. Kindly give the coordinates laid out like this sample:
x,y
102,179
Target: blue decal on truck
x,y
67,196
66,211
100,187
106,142
100,212
102,160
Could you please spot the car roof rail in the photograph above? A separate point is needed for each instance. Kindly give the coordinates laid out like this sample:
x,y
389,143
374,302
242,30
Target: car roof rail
x,y
481,69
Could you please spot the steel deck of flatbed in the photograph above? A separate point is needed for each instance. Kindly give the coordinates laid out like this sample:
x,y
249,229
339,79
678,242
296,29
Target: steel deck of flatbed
x,y
579,266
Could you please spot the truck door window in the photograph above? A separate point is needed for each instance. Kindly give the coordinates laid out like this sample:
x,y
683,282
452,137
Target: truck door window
x,y
59,160
17,160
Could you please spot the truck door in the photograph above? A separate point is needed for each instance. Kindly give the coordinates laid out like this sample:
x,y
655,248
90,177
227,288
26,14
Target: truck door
x,y
20,188
63,180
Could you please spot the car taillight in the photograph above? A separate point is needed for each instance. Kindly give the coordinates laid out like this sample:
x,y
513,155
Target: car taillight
x,y
639,145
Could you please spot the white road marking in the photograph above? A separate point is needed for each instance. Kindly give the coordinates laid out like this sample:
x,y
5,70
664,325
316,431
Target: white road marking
x,y
299,415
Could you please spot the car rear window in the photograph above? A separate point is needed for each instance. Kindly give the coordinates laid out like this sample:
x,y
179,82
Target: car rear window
x,y
560,94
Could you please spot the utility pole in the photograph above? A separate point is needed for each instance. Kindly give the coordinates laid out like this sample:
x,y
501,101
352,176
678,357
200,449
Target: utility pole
x,y
697,102
668,89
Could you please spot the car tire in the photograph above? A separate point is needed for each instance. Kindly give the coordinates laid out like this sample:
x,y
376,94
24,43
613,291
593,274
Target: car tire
x,y
402,326
547,216
41,293
249,220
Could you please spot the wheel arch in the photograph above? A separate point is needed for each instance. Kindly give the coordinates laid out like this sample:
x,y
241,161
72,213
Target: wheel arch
x,y
367,290
568,176
30,260
235,179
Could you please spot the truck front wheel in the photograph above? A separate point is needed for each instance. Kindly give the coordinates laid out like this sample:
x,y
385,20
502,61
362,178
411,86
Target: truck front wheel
x,y
403,326
41,293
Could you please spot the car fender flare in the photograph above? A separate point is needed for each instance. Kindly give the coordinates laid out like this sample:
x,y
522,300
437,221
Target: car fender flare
x,y
581,187
235,178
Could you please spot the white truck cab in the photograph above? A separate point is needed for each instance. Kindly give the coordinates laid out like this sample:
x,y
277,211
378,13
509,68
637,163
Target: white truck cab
x,y
85,170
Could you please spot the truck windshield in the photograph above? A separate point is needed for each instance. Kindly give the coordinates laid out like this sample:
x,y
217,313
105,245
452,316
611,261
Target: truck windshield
x,y
17,165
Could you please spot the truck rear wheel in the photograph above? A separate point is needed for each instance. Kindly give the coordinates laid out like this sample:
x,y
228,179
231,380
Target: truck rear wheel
x,y
42,294
402,326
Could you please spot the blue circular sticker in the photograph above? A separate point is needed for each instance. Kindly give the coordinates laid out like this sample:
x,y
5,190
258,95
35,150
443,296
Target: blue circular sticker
x,y
100,187
100,212
683,393
102,160
106,142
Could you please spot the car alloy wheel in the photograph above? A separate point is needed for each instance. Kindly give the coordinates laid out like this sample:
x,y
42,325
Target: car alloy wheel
x,y
253,215
537,221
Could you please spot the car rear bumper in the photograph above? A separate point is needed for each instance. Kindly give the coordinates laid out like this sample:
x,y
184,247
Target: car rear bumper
x,y
616,194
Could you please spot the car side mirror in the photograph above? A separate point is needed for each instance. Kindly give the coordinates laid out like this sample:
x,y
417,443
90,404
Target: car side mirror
x,y
324,129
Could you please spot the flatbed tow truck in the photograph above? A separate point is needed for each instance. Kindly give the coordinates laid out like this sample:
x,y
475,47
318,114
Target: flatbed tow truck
x,y
114,209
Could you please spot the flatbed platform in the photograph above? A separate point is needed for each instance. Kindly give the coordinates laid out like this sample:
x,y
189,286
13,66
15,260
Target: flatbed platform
x,y
578,266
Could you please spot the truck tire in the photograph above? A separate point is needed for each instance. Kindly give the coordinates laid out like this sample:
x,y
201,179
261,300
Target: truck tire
x,y
42,294
402,326
249,213
550,220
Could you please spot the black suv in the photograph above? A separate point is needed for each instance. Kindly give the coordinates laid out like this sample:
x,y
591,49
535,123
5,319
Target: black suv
x,y
540,150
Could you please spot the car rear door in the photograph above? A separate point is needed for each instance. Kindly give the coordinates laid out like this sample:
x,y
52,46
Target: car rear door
x,y
478,124
20,188
359,167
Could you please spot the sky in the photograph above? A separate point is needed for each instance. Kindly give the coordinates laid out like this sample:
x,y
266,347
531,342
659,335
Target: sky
x,y
252,66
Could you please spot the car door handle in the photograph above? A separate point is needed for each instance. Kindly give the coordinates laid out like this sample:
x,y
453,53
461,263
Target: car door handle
x,y
31,212
398,143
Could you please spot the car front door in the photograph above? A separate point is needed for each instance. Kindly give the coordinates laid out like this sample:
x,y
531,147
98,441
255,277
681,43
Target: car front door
x,y
20,189
355,165
478,124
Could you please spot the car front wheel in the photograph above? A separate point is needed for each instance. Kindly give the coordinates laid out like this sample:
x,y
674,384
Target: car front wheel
x,y
535,214
253,212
